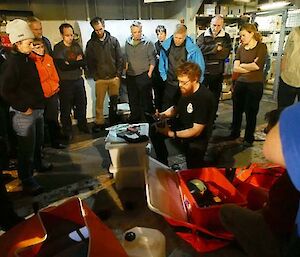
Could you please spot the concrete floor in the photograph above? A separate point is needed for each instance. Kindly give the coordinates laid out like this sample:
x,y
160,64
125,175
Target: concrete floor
x,y
81,170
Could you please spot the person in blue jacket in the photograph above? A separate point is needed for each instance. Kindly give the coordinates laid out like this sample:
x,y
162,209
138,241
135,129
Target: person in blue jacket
x,y
176,50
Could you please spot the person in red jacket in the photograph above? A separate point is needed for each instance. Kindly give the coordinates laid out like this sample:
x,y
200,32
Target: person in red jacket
x,y
50,85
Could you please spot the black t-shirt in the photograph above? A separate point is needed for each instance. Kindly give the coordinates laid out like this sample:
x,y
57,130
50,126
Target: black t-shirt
x,y
177,55
196,108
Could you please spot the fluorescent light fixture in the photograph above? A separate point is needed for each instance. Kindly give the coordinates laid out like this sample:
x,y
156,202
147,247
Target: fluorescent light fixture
x,y
157,1
274,5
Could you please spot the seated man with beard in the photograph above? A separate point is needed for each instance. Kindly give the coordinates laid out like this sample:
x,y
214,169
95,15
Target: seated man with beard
x,y
189,122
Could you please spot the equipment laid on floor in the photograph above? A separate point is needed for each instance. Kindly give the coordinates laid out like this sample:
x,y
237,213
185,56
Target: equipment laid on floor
x,y
255,181
144,242
67,230
172,195
169,195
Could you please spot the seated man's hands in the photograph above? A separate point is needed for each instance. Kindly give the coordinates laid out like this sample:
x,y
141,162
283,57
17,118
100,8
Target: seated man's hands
x,y
165,130
159,115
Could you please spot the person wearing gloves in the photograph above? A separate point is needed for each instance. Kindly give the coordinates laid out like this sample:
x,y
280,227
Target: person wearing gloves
x,y
176,50
21,89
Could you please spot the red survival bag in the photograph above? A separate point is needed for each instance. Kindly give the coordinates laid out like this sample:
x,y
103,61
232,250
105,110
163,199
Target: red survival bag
x,y
168,195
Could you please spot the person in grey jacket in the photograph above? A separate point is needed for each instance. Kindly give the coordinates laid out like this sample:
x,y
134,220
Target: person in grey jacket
x,y
105,64
140,62
215,45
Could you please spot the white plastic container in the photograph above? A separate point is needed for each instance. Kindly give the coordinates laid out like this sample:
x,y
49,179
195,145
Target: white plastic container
x,y
128,155
128,177
144,242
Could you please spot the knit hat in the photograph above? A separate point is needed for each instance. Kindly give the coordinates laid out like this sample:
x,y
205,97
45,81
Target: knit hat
x,y
290,140
18,30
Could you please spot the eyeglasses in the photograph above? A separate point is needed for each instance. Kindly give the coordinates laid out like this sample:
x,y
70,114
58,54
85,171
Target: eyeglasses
x,y
183,83
38,46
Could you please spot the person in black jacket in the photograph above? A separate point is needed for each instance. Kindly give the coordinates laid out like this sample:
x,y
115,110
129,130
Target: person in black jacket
x,y
8,217
36,27
69,60
4,120
22,90
215,45
158,83
105,63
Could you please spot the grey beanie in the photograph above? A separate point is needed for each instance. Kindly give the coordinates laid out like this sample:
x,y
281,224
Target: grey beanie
x,y
18,30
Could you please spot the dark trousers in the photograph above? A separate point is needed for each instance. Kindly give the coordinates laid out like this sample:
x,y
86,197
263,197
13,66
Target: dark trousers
x,y
51,119
158,88
251,231
113,109
193,149
287,94
171,96
247,97
7,134
8,218
4,120
30,136
139,90
214,83
72,94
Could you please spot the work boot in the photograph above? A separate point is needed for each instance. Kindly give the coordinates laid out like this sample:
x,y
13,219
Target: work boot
x,y
98,127
113,108
32,187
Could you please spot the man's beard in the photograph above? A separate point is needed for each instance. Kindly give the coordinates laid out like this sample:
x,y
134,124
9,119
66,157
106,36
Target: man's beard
x,y
187,92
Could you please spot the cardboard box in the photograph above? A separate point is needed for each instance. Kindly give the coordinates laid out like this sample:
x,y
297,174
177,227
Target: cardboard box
x,y
209,9
223,10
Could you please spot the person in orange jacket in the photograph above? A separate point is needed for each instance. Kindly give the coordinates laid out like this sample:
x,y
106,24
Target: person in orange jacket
x,y
50,85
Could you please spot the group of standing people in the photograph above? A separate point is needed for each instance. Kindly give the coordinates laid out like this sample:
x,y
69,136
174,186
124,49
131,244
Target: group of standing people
x,y
56,83
35,83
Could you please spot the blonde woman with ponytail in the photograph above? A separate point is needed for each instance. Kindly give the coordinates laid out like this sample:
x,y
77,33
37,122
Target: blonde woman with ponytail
x,y
249,63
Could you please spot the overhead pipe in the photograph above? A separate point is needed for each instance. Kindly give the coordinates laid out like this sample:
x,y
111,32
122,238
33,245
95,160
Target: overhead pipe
x,y
96,7
139,10
123,9
64,7
87,10
150,11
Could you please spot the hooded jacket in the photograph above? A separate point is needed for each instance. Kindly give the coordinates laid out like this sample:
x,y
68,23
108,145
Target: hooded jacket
x,y
139,57
47,72
20,83
214,60
193,55
104,58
